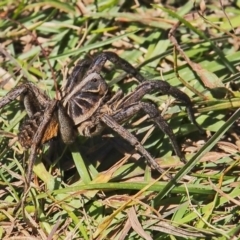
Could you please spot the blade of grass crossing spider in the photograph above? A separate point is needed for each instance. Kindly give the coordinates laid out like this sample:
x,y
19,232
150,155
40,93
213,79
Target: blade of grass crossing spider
x,y
201,189
193,161
40,170
81,163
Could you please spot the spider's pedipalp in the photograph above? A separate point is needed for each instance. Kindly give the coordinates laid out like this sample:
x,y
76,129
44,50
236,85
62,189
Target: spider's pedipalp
x,y
66,125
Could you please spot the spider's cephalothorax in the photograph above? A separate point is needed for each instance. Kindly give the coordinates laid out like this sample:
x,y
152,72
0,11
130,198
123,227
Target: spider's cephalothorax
x,y
88,105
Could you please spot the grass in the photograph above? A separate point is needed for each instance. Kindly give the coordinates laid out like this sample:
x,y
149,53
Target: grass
x,y
100,188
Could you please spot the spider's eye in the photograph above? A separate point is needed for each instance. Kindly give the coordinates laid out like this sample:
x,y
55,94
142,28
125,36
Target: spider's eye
x,y
93,129
94,80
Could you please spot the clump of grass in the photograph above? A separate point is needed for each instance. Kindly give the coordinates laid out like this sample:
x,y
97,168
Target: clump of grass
x,y
100,188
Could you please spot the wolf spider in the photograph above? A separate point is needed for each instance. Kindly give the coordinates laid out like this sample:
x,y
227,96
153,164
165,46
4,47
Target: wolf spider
x,y
87,106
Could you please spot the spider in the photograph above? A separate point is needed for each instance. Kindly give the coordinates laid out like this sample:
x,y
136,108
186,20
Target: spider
x,y
87,106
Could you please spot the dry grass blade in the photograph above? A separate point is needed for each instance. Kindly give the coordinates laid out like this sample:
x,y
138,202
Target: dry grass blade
x,y
136,224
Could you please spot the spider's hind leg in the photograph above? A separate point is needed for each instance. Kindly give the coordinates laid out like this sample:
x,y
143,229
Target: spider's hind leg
x,y
155,116
36,141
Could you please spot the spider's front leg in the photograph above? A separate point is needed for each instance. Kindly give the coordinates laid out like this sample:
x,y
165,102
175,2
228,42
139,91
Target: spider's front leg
x,y
99,61
34,100
77,75
38,128
111,123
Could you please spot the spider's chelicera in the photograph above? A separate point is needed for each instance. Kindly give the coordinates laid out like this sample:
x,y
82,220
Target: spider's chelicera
x,y
88,105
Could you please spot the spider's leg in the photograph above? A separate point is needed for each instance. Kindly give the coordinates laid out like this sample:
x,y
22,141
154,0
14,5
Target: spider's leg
x,y
99,61
111,123
163,88
154,115
36,142
12,95
77,75
34,100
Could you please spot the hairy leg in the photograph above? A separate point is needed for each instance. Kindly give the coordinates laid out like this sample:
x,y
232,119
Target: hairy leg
x,y
36,142
156,117
34,100
100,60
163,88
77,75
111,123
